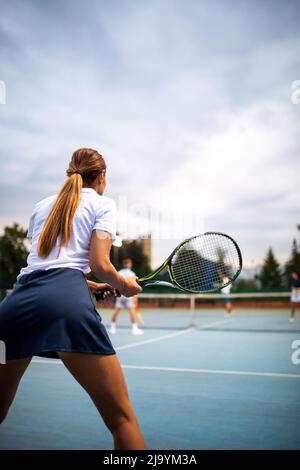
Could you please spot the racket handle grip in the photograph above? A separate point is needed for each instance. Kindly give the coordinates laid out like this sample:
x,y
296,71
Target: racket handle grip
x,y
142,282
100,295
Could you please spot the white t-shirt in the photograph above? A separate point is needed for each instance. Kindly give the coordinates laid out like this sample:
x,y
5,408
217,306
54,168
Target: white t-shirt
x,y
94,212
226,290
126,272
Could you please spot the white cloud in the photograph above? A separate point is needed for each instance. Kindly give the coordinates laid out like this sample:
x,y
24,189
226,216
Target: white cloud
x,y
190,105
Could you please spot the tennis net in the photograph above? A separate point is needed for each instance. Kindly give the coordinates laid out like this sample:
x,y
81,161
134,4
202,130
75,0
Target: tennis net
x,y
257,312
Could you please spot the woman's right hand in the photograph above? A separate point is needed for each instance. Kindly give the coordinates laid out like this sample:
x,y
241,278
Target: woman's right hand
x,y
130,287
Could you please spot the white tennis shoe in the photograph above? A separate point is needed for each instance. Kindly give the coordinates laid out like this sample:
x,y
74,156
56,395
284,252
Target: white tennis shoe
x,y
136,330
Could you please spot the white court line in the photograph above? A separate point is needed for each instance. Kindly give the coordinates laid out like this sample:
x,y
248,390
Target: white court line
x,y
216,371
170,335
139,343
154,340
194,371
219,322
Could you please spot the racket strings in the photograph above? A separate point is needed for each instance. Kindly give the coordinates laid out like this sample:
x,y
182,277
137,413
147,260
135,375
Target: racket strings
x,y
205,263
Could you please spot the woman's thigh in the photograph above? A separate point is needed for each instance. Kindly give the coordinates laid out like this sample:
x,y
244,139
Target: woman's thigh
x,y
10,376
102,377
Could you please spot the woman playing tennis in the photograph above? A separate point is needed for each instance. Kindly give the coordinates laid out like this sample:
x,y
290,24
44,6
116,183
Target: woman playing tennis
x,y
50,311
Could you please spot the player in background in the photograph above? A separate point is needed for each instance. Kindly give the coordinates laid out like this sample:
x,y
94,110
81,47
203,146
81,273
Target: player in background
x,y
138,312
295,296
226,296
128,303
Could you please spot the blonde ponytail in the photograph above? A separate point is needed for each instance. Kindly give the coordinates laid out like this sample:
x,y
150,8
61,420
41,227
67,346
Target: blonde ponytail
x,y
85,165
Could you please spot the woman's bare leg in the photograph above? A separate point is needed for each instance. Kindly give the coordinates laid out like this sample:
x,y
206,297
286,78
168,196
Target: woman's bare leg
x,y
294,305
115,314
229,308
103,379
10,376
132,313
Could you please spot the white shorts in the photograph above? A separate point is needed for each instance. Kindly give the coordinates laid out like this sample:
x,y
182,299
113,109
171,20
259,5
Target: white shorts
x,y
295,297
125,302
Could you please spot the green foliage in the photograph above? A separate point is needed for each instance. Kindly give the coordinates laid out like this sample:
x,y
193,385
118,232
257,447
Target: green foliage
x,y
293,263
245,285
14,252
133,250
13,255
270,275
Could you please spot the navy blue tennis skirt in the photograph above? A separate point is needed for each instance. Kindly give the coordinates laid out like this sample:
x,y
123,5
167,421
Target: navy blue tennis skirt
x,y
52,310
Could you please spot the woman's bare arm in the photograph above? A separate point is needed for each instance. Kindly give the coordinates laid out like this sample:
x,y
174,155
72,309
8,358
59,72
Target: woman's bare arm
x,y
102,267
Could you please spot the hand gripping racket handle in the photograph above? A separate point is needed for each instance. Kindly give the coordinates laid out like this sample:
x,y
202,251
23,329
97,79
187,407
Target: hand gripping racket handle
x,y
100,295
148,282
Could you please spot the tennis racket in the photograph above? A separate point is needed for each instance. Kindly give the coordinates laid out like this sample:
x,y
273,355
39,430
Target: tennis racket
x,y
203,263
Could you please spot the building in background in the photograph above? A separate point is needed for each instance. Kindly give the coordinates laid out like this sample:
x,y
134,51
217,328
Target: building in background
x,y
146,244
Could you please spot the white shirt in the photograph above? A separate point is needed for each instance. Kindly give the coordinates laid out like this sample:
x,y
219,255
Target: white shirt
x,y
226,290
94,212
126,272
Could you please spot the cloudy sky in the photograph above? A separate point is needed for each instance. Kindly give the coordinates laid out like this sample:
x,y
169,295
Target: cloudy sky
x,y
189,101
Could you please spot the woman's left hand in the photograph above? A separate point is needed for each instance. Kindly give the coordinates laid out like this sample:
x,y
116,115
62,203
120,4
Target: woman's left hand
x,y
108,292
98,286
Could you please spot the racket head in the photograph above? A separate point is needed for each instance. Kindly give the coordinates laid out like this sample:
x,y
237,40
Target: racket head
x,y
205,263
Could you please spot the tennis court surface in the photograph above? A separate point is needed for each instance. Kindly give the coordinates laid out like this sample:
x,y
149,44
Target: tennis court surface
x,y
197,380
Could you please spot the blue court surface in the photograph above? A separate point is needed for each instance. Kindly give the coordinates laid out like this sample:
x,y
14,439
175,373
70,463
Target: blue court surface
x,y
218,384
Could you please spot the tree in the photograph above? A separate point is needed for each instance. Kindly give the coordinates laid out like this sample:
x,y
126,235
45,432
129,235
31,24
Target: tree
x,y
293,263
245,285
131,249
13,255
270,275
